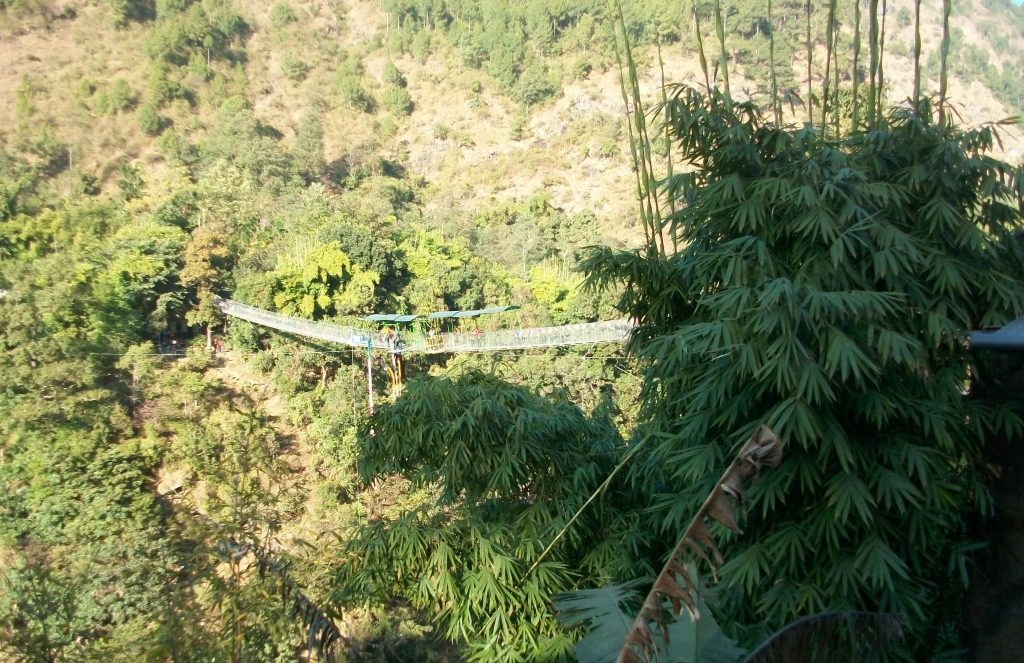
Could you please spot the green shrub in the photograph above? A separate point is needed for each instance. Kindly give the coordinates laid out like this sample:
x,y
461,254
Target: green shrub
x,y
293,67
582,68
520,122
534,85
119,98
125,11
420,47
392,76
89,184
281,15
149,119
86,88
903,17
308,154
899,47
177,149
169,8
397,101
45,144
388,128
609,148
351,91
122,96
161,89
198,66
130,181
167,42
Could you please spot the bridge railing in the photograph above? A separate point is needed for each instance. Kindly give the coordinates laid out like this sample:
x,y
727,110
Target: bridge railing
x,y
325,331
584,333
610,331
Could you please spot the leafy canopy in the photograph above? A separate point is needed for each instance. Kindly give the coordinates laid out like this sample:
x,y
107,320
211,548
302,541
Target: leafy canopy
x,y
507,469
826,288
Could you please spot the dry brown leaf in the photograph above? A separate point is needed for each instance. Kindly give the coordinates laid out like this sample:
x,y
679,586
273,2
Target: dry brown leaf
x,y
763,448
722,510
678,569
641,638
667,587
699,532
629,656
653,609
700,552
732,483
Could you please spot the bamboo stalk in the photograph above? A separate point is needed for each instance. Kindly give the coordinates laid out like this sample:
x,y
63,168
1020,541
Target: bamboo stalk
x,y
947,8
632,140
881,60
700,46
827,80
810,61
632,143
640,118
720,31
835,67
856,63
776,105
917,55
872,78
640,145
668,141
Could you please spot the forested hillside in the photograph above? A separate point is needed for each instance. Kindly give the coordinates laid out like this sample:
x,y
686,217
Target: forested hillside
x,y
91,88
163,501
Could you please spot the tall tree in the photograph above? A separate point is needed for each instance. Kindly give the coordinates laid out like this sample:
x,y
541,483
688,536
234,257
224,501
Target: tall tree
x,y
309,146
207,259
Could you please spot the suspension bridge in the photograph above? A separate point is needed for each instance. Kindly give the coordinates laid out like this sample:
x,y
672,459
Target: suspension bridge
x,y
1010,337
412,342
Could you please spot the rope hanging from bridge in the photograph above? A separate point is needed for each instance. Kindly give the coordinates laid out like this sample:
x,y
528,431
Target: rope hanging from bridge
x,y
584,333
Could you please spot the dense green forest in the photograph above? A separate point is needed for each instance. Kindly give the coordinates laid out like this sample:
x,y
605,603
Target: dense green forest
x,y
813,230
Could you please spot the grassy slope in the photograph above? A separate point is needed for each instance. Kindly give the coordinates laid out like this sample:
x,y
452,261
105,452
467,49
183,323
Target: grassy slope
x,y
975,102
55,58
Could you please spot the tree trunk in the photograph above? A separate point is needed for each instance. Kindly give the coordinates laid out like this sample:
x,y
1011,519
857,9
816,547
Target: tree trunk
x,y
209,336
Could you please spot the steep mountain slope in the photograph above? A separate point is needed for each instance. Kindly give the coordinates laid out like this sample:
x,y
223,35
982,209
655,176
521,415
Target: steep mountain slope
x,y
87,96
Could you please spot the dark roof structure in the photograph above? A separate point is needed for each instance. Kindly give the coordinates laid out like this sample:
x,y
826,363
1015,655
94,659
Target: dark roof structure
x,y
1010,337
